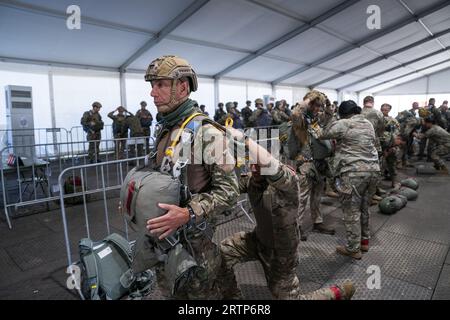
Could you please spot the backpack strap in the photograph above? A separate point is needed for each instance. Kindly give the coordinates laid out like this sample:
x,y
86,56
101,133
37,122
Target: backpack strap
x,y
90,263
122,243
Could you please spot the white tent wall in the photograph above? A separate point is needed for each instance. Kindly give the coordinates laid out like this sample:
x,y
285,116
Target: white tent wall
x,y
231,90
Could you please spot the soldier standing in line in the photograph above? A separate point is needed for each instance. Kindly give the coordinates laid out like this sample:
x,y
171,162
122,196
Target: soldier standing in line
x,y
311,169
92,124
219,112
357,171
120,131
246,114
389,145
146,119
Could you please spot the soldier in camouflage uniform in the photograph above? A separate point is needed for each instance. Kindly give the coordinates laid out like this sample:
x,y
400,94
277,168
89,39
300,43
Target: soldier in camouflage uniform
x,y
146,119
219,113
280,114
246,114
274,241
261,117
389,144
233,115
357,174
120,130
440,143
376,118
306,125
92,124
408,125
137,132
211,180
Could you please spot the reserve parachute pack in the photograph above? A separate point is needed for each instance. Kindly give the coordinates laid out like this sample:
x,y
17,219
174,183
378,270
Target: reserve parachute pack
x,y
410,183
391,204
410,194
106,272
321,149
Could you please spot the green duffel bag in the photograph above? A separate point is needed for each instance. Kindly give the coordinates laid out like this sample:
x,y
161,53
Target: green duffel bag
x,y
392,204
410,183
410,194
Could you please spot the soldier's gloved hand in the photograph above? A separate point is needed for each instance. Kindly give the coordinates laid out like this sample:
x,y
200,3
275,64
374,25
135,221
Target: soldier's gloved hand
x,y
170,222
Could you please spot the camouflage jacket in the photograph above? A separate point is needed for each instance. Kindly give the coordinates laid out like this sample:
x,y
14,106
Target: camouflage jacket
x,y
274,200
408,122
391,130
376,118
134,124
246,113
438,136
145,117
210,174
92,122
279,116
355,145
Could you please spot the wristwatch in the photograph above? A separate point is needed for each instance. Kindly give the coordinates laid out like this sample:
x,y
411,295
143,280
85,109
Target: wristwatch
x,y
192,217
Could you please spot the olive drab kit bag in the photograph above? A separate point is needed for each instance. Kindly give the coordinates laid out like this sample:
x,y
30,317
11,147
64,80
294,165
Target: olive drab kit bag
x,y
106,272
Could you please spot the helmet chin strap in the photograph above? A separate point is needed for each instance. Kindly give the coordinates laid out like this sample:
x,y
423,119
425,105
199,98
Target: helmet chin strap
x,y
173,103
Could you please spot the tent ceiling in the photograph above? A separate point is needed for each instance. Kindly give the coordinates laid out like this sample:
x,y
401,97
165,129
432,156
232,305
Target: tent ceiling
x,y
217,34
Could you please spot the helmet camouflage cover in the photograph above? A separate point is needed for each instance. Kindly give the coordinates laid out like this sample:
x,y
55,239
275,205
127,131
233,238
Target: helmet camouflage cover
x,y
423,113
315,96
171,68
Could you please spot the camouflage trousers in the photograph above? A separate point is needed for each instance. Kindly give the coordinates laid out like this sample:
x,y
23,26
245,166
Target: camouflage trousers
x,y
357,190
389,165
147,132
437,152
279,269
94,146
311,188
120,145
202,284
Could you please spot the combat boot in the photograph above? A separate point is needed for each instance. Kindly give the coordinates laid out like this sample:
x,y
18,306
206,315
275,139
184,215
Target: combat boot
x,y
343,251
365,245
443,170
303,236
345,291
320,228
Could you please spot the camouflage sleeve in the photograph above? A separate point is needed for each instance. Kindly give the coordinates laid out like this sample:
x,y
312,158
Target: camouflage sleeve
x,y
219,161
85,119
334,130
243,184
284,180
111,115
276,116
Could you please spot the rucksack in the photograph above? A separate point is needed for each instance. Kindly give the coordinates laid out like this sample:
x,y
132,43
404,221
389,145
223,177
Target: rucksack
x,y
392,204
106,272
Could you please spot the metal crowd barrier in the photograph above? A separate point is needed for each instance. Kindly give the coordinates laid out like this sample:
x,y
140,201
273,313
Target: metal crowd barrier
x,y
35,173
85,191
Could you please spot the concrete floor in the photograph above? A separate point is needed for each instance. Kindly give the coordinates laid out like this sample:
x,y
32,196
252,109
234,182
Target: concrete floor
x,y
411,248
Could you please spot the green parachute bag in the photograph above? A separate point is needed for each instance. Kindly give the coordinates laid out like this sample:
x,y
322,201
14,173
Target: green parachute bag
x,y
140,194
410,183
410,194
392,204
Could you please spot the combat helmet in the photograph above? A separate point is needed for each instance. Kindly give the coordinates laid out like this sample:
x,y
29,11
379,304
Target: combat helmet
x,y
424,113
171,68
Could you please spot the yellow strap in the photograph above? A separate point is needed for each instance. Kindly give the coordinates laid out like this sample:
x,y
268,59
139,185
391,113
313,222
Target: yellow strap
x,y
169,150
229,122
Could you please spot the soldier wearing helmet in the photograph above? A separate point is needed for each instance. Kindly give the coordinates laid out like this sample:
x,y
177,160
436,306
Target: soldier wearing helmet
x,y
92,124
312,167
211,181
120,130
146,119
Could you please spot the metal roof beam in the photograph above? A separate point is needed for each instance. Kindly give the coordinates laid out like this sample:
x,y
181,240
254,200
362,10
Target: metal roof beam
x,y
172,25
384,57
297,31
406,82
371,38
405,75
394,68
